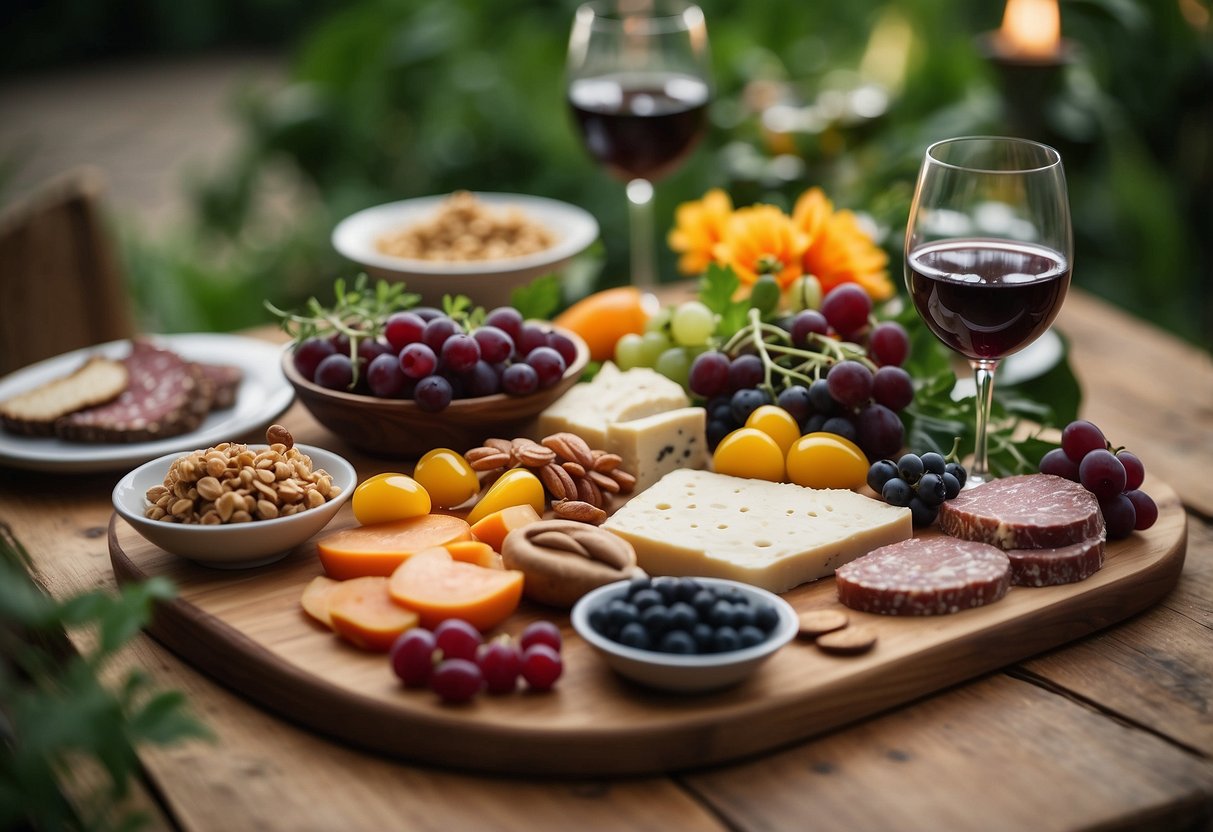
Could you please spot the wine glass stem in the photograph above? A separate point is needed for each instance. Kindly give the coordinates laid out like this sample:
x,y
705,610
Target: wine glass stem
x,y
640,215
983,372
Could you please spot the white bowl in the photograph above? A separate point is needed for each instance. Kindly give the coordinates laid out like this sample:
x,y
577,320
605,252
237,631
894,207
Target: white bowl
x,y
487,282
682,673
238,545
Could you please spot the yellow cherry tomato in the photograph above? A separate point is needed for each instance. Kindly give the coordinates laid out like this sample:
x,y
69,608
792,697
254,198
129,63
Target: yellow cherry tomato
x,y
827,460
447,476
748,452
515,487
387,497
776,423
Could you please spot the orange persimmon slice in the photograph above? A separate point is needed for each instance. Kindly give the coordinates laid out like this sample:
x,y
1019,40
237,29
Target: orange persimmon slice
x,y
377,550
315,599
493,528
362,612
438,587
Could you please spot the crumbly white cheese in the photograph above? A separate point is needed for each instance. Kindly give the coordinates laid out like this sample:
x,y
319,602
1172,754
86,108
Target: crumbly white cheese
x,y
612,396
656,445
772,535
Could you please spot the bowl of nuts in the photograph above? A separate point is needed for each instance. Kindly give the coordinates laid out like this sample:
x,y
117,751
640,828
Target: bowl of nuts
x,y
482,245
235,506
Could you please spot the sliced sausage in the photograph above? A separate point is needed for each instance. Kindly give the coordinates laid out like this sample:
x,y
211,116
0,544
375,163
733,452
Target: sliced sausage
x,y
1031,511
1063,565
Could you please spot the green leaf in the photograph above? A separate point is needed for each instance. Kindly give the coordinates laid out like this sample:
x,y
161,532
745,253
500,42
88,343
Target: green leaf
x,y
717,288
538,299
164,720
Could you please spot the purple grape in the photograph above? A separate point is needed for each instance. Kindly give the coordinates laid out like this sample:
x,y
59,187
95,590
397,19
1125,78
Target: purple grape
x,y
385,377
456,680
310,353
1135,472
437,331
564,345
369,349
530,337
808,322
495,344
1080,438
549,366
888,344
893,387
1102,474
507,319
427,313
1056,462
417,361
412,657
481,380
460,352
880,432
1119,515
340,342
850,382
519,380
709,374
1145,508
841,426
745,371
432,394
402,329
847,308
795,400
819,394
335,372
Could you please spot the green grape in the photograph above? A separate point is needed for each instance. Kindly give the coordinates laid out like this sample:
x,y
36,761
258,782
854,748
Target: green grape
x,y
629,351
764,295
692,324
653,345
804,293
674,364
661,321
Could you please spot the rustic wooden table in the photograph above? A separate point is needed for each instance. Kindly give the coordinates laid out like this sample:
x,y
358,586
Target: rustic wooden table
x,y
1112,731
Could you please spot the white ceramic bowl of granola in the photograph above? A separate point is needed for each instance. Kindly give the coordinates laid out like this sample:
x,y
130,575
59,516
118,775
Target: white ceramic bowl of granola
x,y
487,282
236,545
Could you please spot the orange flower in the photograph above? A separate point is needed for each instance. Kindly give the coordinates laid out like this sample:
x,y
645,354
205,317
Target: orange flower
x,y
760,240
839,249
699,227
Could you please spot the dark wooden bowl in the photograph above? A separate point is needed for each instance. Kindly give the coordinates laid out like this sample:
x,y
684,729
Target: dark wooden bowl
x,y
398,428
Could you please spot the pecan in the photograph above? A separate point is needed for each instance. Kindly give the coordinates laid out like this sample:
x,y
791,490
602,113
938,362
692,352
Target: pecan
x,y
558,482
571,447
482,452
605,463
503,445
604,482
590,493
490,461
536,456
580,511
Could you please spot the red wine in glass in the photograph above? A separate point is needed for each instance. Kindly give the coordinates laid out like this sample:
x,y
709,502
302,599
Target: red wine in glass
x,y
640,125
987,299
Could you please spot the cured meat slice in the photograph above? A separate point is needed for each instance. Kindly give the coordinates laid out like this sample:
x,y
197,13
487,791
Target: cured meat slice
x,y
1031,511
166,396
225,383
924,576
1049,567
34,412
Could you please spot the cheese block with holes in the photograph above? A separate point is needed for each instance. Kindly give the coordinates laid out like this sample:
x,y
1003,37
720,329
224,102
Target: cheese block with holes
x,y
769,534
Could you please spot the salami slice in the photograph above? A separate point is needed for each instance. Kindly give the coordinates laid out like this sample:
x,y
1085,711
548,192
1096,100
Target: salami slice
x,y
225,381
1064,565
924,576
1031,511
166,396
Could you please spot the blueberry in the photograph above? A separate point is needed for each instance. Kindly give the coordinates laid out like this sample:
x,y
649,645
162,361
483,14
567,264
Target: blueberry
x,y
656,619
922,514
725,639
703,601
598,620
685,589
620,613
638,583
819,396
910,467
678,641
743,616
795,400
814,423
702,633
957,470
646,598
881,472
721,614
931,489
683,616
666,586
749,636
746,402
841,426
897,492
934,463
635,635
766,618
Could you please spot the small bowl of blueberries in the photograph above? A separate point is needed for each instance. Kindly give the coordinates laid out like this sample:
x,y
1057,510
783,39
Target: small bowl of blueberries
x,y
687,635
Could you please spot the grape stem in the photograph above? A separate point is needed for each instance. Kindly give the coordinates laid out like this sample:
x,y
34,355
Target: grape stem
x,y
812,365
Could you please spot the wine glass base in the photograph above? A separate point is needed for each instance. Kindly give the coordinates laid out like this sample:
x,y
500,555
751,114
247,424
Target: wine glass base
x,y
972,481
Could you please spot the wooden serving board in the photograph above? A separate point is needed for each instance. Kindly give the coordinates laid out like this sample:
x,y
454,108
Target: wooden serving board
x,y
247,630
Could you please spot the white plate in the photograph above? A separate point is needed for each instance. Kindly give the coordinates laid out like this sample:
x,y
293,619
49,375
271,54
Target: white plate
x,y
263,396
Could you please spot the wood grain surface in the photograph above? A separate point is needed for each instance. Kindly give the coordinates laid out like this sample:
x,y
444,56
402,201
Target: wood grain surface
x,y
247,628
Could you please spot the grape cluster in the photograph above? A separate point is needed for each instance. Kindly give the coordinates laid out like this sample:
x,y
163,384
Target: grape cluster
x,y
426,356
455,662
682,615
672,339
852,389
919,483
1114,478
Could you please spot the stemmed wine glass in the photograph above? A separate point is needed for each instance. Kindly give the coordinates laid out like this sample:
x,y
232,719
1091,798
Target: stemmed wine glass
x,y
989,252
639,85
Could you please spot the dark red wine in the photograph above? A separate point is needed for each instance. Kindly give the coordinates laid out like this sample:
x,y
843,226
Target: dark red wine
x,y
640,125
987,298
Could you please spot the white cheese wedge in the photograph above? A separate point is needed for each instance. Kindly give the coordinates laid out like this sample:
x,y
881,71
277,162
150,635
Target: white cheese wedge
x,y
613,396
656,445
772,535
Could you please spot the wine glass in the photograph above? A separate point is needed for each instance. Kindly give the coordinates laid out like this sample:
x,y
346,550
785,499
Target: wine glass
x,y
989,252
639,86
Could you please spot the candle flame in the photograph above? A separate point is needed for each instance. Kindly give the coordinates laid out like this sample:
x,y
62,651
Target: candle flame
x,y
1031,28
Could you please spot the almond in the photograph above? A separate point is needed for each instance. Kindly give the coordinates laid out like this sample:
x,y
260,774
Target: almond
x,y
580,511
558,482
